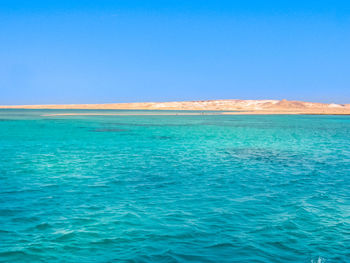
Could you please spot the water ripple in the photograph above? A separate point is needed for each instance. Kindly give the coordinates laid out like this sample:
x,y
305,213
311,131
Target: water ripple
x,y
175,189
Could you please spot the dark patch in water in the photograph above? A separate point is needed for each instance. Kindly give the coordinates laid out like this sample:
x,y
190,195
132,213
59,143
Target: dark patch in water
x,y
240,124
264,155
56,120
151,124
162,137
109,130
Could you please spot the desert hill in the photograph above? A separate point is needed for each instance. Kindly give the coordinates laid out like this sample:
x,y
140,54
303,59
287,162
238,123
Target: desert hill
x,y
243,106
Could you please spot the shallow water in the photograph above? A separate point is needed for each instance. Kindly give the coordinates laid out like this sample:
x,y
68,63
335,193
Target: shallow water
x,y
174,188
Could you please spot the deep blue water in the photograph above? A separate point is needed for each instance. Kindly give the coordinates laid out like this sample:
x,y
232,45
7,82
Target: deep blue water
x,y
174,188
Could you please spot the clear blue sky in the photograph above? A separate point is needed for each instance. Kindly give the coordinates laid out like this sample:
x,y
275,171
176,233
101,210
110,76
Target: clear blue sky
x,y
123,51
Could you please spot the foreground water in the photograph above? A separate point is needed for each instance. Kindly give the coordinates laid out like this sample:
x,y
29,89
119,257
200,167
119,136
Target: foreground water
x,y
174,188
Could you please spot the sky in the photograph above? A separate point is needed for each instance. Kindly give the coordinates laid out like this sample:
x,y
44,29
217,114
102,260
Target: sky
x,y
63,52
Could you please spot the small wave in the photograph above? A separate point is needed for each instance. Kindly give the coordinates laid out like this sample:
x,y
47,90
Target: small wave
x,y
319,260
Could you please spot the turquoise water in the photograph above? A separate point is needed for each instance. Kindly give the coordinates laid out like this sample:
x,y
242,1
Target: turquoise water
x,y
174,188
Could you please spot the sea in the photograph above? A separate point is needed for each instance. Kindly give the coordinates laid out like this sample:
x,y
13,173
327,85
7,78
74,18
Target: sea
x,y
173,188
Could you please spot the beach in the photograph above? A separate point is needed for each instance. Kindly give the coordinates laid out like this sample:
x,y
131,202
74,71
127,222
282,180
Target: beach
x,y
236,107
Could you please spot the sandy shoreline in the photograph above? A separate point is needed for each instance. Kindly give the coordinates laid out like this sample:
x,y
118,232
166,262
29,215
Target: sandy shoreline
x,y
189,114
234,107
130,114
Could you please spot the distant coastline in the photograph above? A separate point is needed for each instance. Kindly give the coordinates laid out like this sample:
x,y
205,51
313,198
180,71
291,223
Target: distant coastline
x,y
237,107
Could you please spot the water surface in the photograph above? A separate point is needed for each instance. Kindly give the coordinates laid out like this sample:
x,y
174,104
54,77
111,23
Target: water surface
x,y
173,188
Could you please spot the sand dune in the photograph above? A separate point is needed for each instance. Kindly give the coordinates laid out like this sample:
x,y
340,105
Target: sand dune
x,y
243,106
